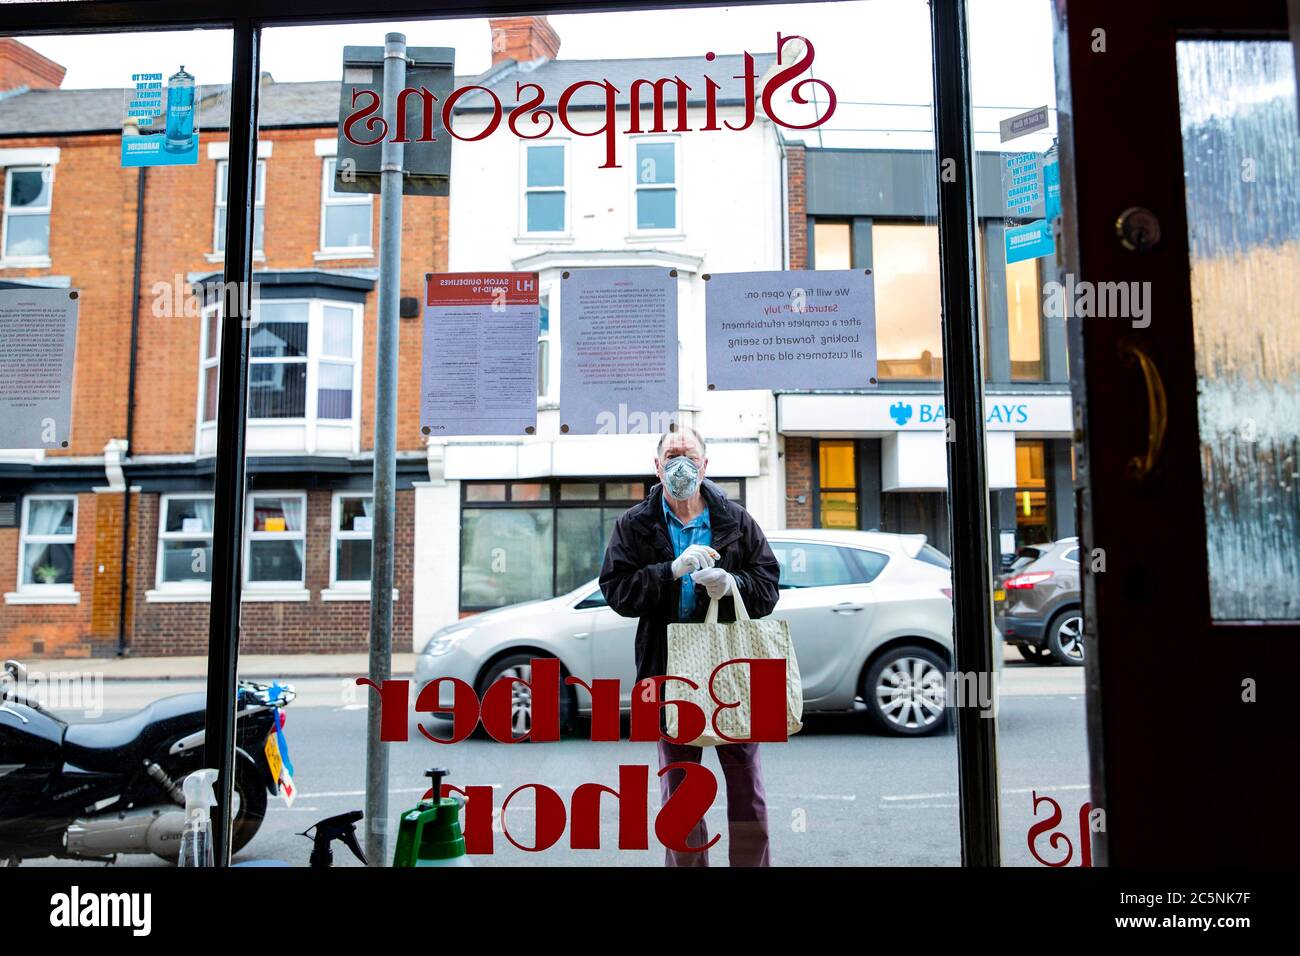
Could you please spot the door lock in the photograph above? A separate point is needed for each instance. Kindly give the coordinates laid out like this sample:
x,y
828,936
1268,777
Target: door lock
x,y
1138,229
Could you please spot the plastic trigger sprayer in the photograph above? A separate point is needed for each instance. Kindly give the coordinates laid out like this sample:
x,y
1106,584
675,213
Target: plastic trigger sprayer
x,y
342,827
196,838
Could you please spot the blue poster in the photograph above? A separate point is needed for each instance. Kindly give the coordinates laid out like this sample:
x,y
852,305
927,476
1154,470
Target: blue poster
x,y
159,128
1029,241
1052,185
1022,178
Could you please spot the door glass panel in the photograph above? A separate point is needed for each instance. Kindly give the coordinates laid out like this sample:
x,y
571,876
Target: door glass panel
x,y
1041,719
1240,158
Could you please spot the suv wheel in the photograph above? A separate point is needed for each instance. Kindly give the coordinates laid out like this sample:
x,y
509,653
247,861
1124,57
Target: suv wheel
x,y
1065,638
906,691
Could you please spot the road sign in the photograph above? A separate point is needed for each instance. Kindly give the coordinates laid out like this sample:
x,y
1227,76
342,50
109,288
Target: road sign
x,y
430,79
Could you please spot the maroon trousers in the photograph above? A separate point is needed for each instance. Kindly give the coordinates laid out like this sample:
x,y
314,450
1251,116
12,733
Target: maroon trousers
x,y
748,843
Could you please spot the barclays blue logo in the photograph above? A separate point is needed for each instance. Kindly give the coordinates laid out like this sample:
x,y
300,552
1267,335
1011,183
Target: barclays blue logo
x,y
901,413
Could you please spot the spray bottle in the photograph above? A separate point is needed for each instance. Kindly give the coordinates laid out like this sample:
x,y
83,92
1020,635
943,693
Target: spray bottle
x,y
180,112
196,838
429,834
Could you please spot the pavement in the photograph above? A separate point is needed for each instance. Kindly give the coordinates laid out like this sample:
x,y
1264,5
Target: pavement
x,y
1019,677
257,666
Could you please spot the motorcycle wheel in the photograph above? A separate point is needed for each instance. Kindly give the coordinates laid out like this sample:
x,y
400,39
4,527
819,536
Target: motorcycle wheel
x,y
252,804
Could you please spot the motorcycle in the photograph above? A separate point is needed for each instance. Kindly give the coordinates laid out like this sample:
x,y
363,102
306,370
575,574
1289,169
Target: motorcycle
x,y
90,791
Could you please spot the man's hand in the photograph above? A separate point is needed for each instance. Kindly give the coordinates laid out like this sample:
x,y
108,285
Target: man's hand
x,y
694,558
715,581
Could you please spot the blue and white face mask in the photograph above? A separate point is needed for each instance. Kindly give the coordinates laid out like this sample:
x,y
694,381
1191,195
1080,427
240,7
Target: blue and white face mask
x,y
681,478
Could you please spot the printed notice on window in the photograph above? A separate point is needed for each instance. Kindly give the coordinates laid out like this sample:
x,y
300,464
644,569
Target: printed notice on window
x,y
38,345
794,329
618,347
479,374
160,122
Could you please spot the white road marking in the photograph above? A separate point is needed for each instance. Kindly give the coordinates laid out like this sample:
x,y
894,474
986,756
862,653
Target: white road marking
x,y
933,796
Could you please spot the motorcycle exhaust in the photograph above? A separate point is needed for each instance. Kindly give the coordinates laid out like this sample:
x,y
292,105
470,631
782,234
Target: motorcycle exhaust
x,y
145,830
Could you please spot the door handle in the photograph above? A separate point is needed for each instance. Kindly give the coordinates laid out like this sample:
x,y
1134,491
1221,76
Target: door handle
x,y
582,635
1157,407
847,608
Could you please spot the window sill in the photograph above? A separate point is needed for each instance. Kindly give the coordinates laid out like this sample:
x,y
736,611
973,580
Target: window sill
x,y
178,595
349,594
36,597
326,255
221,256
653,236
542,238
43,263
287,593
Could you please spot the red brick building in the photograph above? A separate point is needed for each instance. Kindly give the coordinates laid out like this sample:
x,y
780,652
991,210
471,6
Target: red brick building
x,y
139,244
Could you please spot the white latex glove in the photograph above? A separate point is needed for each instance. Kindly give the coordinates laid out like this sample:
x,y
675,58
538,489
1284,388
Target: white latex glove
x,y
694,558
715,581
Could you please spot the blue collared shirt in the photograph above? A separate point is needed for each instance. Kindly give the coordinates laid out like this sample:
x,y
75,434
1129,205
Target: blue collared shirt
x,y
698,531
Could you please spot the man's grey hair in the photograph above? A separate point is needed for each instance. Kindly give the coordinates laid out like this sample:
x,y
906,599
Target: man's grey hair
x,y
685,430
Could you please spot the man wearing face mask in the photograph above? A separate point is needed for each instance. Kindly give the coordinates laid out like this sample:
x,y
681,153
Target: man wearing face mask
x,y
667,558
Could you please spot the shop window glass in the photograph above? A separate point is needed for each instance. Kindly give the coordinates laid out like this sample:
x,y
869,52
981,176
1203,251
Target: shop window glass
x,y
832,245
905,263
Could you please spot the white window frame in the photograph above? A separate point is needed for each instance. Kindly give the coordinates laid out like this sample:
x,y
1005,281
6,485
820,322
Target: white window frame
x,y
198,587
47,172
24,539
315,356
336,535
342,199
677,229
525,189
259,203
274,590
313,324
549,295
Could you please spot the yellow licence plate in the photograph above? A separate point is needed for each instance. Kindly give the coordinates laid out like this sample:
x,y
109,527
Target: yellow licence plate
x,y
273,758
999,595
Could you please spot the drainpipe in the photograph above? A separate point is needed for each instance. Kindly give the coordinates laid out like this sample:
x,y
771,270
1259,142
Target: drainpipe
x,y
130,410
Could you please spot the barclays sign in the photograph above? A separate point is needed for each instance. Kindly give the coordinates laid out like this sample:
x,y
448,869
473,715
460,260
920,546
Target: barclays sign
x,y
1042,414
933,412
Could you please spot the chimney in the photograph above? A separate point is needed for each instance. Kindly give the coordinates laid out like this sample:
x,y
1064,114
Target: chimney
x,y
523,39
20,65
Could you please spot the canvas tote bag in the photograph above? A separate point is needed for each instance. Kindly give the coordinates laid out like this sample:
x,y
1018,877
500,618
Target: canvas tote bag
x,y
695,650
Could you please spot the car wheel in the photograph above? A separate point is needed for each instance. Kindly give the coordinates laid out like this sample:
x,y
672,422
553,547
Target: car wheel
x,y
521,703
906,691
1035,654
1065,638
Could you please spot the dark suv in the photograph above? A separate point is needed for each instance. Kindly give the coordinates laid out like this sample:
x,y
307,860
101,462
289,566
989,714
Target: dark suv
x,y
1037,603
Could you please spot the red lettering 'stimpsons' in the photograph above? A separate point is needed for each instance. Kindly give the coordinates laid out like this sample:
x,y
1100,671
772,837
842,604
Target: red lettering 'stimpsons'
x,y
527,120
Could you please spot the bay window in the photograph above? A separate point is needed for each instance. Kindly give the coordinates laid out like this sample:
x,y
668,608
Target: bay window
x,y
303,376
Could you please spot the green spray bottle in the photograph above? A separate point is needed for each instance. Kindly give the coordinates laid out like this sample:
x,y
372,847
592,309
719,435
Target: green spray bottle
x,y
429,834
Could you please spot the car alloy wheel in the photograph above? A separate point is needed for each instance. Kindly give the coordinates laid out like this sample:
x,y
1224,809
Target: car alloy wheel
x,y
910,694
1066,642
521,698
519,666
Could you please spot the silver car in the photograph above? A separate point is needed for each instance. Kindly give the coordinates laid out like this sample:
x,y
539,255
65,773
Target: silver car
x,y
870,616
